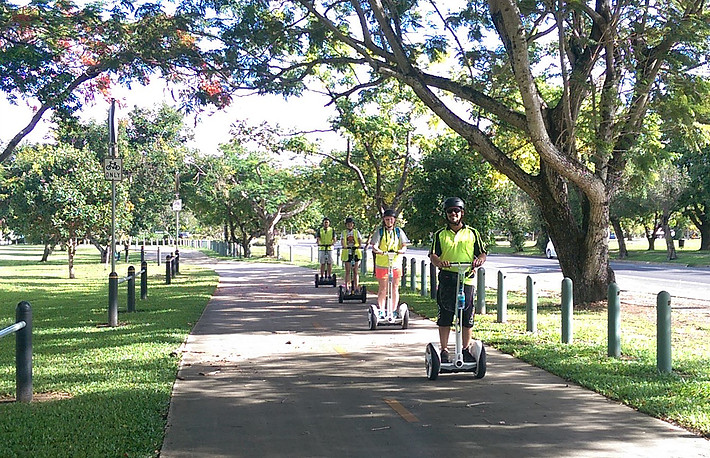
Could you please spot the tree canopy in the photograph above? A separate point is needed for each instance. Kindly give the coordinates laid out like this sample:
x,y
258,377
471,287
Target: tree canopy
x,y
572,81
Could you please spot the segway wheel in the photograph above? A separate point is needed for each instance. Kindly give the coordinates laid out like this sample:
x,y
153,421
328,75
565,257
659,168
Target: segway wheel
x,y
316,280
341,294
404,313
335,281
481,364
363,293
432,362
372,318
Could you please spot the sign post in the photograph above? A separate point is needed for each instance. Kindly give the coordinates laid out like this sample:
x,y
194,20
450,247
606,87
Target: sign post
x,y
113,170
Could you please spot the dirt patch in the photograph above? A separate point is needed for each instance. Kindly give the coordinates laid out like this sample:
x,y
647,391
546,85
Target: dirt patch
x,y
41,397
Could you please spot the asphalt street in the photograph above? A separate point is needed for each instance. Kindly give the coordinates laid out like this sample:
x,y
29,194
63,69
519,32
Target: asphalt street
x,y
277,367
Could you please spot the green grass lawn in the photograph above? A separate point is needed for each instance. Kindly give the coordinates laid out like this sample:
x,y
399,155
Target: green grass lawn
x,y
99,391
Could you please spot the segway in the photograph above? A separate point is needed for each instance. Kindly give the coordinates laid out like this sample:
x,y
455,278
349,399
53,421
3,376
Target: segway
x,y
347,294
432,357
391,314
326,280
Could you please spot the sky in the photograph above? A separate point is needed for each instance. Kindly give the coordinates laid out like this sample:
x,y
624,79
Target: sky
x,y
307,113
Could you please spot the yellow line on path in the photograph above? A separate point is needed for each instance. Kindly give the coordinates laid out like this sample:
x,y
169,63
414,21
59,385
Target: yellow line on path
x,y
341,351
402,411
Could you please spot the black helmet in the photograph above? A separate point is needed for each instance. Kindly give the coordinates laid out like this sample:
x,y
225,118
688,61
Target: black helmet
x,y
389,212
325,218
349,220
454,202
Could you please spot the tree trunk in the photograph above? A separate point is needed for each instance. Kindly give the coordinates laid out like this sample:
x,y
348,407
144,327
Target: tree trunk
x,y
704,237
71,251
48,250
583,255
670,245
616,224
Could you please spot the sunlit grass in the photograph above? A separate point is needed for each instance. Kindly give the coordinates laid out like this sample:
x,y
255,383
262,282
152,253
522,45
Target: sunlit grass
x,y
108,388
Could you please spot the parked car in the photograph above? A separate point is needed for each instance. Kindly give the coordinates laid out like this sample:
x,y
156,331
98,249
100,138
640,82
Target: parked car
x,y
550,250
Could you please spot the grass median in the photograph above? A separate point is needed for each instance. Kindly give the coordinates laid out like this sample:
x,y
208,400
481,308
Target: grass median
x,y
99,390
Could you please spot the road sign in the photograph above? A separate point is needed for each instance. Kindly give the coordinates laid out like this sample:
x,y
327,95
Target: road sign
x,y
113,169
177,205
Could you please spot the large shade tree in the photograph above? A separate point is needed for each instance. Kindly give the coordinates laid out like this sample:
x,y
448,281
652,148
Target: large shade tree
x,y
57,56
572,79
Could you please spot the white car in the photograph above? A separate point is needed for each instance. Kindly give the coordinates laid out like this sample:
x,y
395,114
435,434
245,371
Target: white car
x,y
550,250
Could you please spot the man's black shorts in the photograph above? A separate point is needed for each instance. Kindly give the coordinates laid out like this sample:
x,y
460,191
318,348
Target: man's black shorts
x,y
446,300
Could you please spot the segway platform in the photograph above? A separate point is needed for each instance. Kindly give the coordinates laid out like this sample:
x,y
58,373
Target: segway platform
x,y
348,294
434,366
380,317
327,281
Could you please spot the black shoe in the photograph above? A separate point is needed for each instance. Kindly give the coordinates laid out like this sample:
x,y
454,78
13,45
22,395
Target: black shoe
x,y
467,356
444,356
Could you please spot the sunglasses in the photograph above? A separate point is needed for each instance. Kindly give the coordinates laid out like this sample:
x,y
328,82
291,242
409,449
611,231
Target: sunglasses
x,y
453,210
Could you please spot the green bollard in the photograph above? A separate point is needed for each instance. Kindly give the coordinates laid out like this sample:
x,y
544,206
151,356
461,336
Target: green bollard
x,y
432,276
413,274
663,330
423,279
502,299
113,299
614,307
481,291
144,280
567,310
290,253
403,280
23,353
531,305
131,290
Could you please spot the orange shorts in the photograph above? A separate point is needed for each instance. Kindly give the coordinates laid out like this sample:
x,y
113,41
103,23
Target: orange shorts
x,y
381,273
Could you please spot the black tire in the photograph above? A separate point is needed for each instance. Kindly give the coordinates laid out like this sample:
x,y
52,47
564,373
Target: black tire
x,y
372,318
405,316
481,366
341,294
316,280
363,293
432,362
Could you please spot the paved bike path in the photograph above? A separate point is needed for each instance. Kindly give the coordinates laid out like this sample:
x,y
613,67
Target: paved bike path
x,y
277,367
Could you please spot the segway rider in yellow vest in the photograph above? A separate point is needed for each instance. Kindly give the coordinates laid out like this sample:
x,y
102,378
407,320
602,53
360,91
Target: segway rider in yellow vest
x,y
455,243
351,238
384,239
325,238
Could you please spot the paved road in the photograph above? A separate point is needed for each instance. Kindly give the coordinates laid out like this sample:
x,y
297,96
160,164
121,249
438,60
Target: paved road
x,y
632,277
276,367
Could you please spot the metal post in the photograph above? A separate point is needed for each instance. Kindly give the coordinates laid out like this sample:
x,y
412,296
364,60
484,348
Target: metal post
x,y
144,280
531,305
423,279
290,253
173,273
432,276
663,330
502,299
481,291
337,256
363,262
158,254
23,353
403,280
413,275
168,269
311,253
176,262
131,290
113,299
567,310
143,252
614,334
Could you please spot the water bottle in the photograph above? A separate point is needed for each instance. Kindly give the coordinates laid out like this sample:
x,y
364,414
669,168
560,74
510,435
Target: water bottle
x,y
461,300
